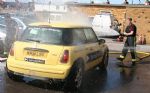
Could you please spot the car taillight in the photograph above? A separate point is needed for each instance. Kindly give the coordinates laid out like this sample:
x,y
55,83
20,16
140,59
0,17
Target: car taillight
x,y
11,52
65,57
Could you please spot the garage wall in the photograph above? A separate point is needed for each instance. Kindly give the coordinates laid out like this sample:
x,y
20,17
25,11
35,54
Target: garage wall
x,y
139,13
141,18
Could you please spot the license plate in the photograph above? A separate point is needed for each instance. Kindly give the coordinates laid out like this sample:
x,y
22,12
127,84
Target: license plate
x,y
36,53
35,60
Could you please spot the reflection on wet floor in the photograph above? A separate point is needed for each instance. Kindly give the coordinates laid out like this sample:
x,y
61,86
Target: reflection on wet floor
x,y
95,81
127,74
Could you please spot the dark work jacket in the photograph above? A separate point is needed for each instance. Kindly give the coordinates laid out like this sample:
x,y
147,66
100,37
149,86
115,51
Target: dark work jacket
x,y
130,28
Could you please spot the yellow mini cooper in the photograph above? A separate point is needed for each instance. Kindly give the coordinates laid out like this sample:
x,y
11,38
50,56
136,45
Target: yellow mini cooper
x,y
57,51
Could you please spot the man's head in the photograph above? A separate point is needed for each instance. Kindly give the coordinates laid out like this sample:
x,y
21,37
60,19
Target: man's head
x,y
130,21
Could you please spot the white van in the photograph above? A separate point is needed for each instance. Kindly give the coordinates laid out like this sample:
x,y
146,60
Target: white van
x,y
105,25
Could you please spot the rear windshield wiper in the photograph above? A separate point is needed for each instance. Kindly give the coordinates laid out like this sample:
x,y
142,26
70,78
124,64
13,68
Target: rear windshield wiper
x,y
38,41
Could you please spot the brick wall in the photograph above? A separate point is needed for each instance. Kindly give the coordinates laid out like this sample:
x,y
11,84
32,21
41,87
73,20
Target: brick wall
x,y
141,18
92,10
140,15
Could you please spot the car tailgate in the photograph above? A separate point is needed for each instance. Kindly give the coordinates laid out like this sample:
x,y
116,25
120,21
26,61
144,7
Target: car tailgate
x,y
37,53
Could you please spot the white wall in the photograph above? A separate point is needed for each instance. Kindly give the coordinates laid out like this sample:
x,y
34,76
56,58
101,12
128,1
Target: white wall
x,y
52,8
41,1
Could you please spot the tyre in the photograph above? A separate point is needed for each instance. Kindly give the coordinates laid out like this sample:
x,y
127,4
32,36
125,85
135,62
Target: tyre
x,y
13,76
104,62
75,78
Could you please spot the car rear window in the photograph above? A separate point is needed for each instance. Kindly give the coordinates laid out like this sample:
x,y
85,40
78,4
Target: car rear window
x,y
56,36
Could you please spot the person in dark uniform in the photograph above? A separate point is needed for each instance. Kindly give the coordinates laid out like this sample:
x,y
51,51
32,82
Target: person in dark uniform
x,y
130,43
11,32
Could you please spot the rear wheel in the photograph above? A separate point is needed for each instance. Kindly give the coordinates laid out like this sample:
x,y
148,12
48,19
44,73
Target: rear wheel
x,y
75,78
104,63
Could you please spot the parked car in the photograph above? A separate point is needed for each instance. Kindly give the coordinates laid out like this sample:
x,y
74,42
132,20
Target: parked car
x,y
21,24
57,51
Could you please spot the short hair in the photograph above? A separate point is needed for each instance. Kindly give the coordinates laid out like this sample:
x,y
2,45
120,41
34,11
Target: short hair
x,y
130,19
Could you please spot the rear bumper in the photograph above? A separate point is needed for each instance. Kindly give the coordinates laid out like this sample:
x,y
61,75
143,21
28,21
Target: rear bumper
x,y
38,70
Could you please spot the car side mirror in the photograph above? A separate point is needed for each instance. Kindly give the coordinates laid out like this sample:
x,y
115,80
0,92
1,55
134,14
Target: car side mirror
x,y
101,41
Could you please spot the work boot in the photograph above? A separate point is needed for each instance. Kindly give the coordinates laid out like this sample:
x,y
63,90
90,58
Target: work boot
x,y
121,58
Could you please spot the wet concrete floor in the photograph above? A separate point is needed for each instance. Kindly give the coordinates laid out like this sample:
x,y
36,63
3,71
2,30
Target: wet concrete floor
x,y
114,80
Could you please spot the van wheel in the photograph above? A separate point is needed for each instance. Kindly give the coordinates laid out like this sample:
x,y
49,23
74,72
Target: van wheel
x,y
75,78
14,77
104,63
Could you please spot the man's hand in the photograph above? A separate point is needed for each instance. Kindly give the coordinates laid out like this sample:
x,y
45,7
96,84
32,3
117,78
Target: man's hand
x,y
122,34
128,34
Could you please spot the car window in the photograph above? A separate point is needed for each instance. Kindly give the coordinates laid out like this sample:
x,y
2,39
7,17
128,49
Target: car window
x,y
43,35
90,35
78,36
58,36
